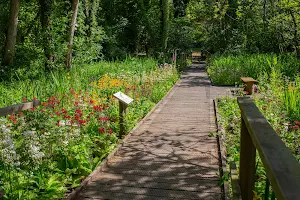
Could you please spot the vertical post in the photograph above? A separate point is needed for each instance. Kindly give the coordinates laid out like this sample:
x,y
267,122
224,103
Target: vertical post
x,y
247,163
175,57
249,87
122,108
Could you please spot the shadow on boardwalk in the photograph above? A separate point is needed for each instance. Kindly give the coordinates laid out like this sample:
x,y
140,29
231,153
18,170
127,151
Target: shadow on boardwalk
x,y
170,156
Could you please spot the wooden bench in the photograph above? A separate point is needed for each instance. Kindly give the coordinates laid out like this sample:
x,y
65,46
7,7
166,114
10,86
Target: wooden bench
x,y
249,83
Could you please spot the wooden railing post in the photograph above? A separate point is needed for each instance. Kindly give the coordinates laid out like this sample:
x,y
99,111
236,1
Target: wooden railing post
x,y
247,163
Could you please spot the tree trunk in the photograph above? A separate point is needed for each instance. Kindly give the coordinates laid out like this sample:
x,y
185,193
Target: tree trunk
x,y
46,9
9,49
165,24
265,13
296,38
75,4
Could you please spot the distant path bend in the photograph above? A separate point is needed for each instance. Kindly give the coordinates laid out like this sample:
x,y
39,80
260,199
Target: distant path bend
x,y
170,156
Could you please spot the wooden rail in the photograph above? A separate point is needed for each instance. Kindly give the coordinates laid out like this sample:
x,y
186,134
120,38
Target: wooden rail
x,y
18,108
282,168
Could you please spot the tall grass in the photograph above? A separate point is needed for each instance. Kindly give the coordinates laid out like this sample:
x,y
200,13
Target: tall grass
x,y
227,70
52,83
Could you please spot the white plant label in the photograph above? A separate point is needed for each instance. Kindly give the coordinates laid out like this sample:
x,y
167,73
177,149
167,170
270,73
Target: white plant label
x,y
123,97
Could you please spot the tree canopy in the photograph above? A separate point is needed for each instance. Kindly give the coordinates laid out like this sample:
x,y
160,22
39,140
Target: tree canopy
x,y
51,34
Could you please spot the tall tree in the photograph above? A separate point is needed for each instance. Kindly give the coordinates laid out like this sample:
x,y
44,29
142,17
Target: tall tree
x,y
75,4
165,23
46,10
9,49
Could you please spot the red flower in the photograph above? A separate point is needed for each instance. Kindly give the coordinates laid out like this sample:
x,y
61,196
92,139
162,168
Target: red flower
x,y
64,111
81,122
297,122
269,100
32,109
77,118
43,131
44,103
24,99
295,127
57,113
15,121
67,117
265,107
105,119
110,131
97,108
57,124
91,101
78,111
76,103
101,130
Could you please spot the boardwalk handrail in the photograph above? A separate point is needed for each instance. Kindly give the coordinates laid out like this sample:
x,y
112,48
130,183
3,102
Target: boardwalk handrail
x,y
18,108
282,168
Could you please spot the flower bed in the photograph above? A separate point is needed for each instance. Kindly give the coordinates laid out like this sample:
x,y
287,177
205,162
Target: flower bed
x,y
50,149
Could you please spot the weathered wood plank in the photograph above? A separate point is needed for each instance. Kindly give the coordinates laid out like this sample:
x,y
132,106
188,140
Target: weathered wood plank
x,y
247,163
235,182
18,108
248,79
281,166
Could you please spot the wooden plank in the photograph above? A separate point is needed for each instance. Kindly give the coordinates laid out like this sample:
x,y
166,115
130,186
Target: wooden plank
x,y
18,108
235,182
282,168
196,54
247,163
248,79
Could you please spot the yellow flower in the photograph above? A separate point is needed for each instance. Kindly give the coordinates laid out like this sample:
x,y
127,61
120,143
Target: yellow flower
x,y
256,196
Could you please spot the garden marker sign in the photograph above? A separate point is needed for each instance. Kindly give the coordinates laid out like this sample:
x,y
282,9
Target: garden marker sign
x,y
124,101
123,97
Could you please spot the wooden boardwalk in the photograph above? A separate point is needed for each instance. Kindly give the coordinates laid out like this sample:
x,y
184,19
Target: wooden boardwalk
x,y
170,156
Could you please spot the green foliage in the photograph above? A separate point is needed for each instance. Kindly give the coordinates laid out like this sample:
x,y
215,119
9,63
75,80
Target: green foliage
x,y
227,70
238,26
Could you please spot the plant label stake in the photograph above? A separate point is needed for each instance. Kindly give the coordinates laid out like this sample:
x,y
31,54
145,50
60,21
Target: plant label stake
x,y
124,101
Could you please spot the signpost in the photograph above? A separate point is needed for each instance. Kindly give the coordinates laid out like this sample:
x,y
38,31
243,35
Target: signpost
x,y
124,101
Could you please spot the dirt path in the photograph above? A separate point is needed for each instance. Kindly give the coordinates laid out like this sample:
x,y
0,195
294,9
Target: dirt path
x,y
170,156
